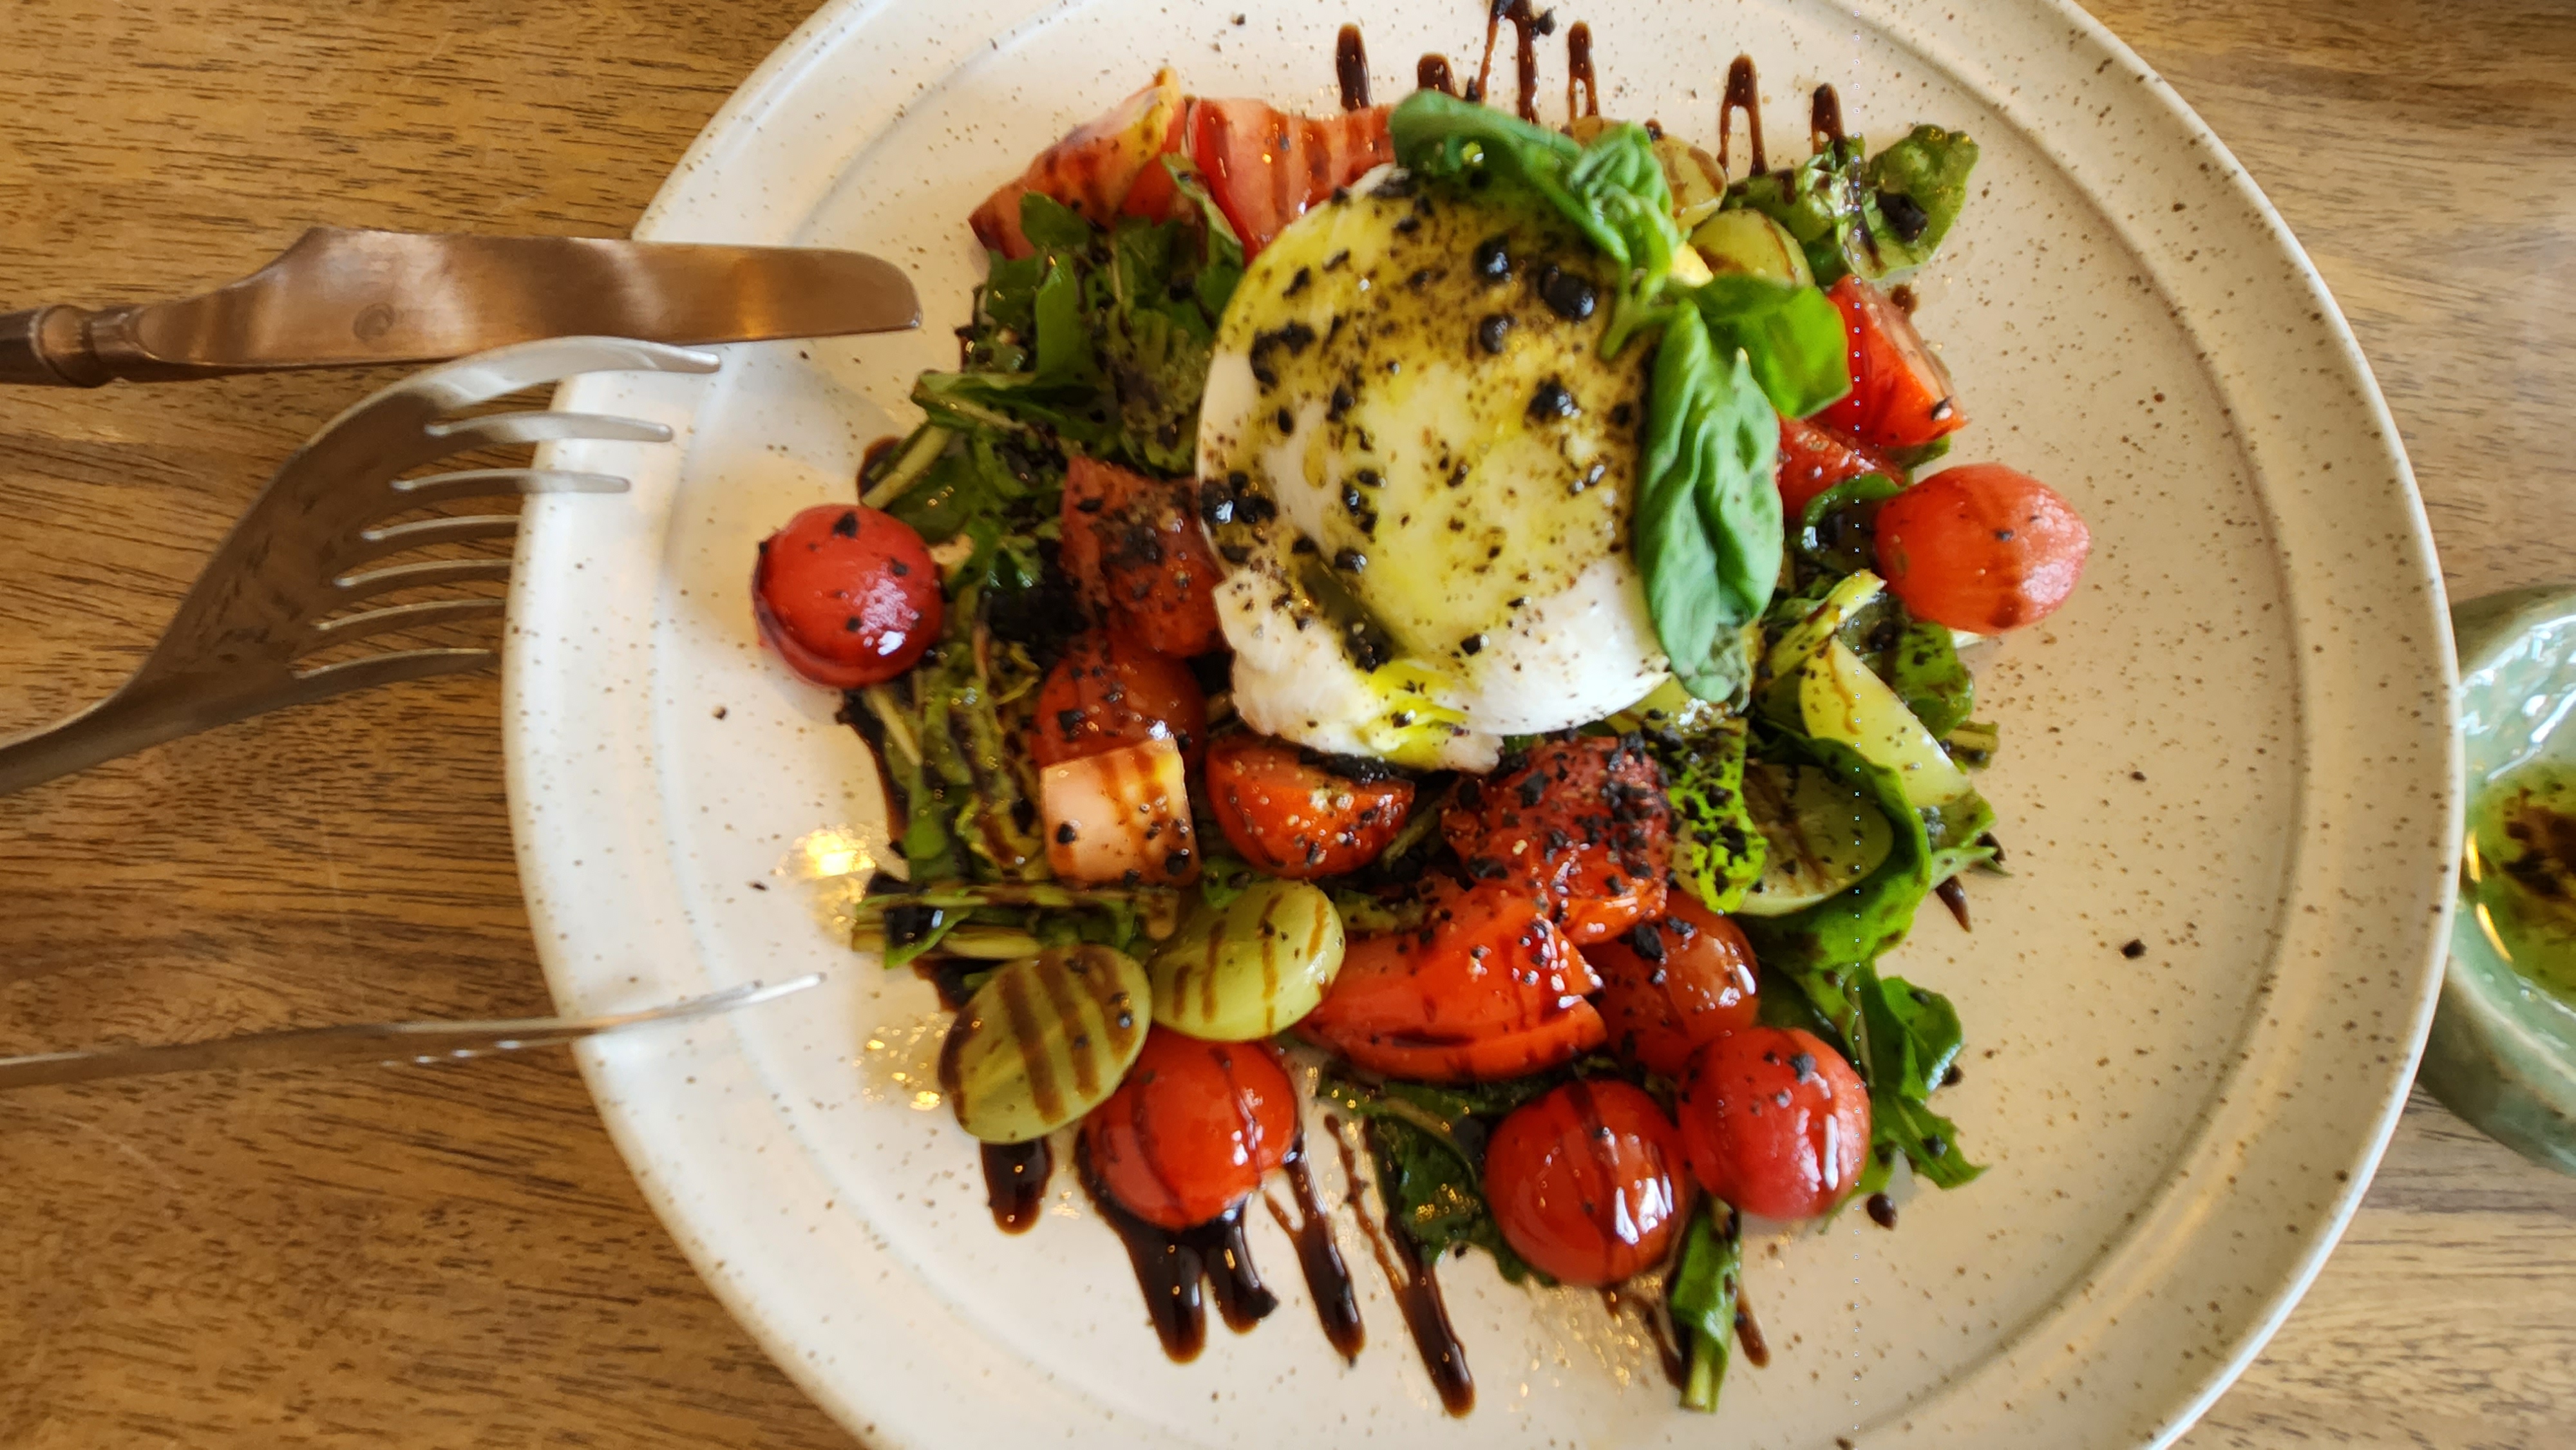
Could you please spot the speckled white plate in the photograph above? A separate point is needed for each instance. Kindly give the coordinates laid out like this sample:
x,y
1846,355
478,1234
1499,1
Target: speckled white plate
x,y
2232,748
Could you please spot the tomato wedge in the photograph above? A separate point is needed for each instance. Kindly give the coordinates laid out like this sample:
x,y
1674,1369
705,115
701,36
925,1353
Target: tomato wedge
x,y
1135,550
1092,169
1110,691
1813,460
1901,395
1487,989
1266,167
1583,826
1292,818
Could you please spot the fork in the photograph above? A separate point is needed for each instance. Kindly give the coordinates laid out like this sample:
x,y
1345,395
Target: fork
x,y
317,542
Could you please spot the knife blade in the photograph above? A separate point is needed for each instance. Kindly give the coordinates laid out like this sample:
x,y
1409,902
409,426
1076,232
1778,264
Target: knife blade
x,y
386,1043
349,298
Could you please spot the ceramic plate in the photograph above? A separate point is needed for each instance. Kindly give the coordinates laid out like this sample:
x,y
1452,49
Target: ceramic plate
x,y
2232,748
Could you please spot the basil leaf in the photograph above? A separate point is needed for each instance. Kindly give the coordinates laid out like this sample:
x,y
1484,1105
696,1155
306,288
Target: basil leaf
x,y
1701,1297
1717,850
1792,335
1707,527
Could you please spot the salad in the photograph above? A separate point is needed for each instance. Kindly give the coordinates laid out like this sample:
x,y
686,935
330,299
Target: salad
x,y
1460,618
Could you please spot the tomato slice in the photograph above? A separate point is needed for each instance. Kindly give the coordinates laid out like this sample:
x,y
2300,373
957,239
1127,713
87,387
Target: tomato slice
x,y
1292,818
1981,547
1192,1129
1582,826
1813,460
1266,167
1901,395
1488,988
1672,985
1092,169
1774,1121
847,595
1136,553
1588,1183
1110,691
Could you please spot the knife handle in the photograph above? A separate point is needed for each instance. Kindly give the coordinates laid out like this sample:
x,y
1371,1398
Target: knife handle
x,y
50,347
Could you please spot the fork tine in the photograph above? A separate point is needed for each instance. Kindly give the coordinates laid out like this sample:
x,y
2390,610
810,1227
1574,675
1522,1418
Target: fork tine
x,y
386,540
502,371
372,582
388,669
340,631
500,430
493,482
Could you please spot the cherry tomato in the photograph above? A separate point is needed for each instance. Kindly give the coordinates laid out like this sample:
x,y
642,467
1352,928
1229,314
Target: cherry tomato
x,y
1110,691
847,595
1135,551
1292,818
1583,825
1265,168
1775,1121
1901,395
1093,169
1669,986
1588,1182
1813,460
1981,547
1193,1127
1486,989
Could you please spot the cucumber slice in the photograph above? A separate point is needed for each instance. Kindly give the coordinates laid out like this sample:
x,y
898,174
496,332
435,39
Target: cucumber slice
x,y
1824,836
1841,700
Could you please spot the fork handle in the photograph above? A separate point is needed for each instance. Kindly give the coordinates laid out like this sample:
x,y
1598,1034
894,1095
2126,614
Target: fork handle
x,y
121,724
51,347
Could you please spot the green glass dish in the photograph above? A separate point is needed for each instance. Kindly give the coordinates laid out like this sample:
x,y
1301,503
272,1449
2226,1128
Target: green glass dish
x,y
2503,1048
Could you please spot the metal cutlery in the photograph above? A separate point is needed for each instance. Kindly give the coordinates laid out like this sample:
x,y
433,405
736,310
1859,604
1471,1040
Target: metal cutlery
x,y
346,298
387,1043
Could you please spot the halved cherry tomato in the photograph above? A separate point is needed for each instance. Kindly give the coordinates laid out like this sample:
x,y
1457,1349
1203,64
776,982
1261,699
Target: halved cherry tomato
x,y
1486,989
847,595
1135,551
1092,169
1265,168
1193,1127
1588,1183
1981,547
1813,460
1292,818
1775,1121
1671,985
1110,691
1583,826
1901,395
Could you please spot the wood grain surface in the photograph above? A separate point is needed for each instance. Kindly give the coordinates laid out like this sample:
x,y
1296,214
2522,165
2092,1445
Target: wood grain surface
x,y
456,1257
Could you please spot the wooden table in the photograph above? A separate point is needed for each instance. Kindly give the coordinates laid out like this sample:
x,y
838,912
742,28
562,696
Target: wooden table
x,y
456,1257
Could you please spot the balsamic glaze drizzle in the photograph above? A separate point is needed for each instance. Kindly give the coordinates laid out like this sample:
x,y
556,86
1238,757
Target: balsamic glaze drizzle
x,y
1172,1264
1742,93
1350,68
1015,1183
1582,89
1319,1254
1825,120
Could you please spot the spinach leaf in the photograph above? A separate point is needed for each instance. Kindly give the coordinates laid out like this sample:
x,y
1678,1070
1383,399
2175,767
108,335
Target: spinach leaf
x,y
1911,1038
1708,534
1717,850
1428,1144
1701,1297
1954,832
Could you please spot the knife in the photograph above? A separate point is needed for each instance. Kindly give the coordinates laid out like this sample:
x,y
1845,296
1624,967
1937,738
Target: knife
x,y
388,1043
346,298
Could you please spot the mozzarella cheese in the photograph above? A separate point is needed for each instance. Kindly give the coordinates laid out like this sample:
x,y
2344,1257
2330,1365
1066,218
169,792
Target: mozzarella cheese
x,y
1419,472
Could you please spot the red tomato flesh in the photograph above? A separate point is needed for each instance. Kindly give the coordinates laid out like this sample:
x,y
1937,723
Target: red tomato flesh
x,y
1981,547
1134,549
847,595
1292,818
1901,395
1669,986
1775,1121
1110,691
1813,460
1266,168
1094,168
1487,989
1582,826
1588,1183
1192,1129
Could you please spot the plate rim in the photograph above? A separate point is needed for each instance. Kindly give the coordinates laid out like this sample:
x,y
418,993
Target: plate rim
x,y
742,113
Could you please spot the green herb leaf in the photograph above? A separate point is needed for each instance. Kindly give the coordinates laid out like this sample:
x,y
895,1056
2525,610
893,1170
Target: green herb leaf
x,y
1792,336
1834,530
1701,1297
1708,536
1913,191
1429,1147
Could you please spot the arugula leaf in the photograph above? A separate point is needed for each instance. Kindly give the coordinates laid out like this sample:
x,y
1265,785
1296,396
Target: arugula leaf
x,y
1701,1298
1717,850
1912,1037
1708,534
1429,1147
